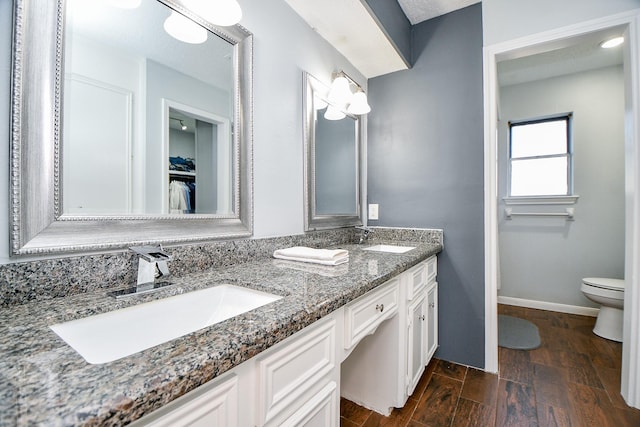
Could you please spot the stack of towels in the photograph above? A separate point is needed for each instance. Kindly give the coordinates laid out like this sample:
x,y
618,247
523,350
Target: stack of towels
x,y
316,256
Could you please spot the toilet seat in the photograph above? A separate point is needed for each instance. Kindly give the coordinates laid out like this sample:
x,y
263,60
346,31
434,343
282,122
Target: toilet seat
x,y
605,283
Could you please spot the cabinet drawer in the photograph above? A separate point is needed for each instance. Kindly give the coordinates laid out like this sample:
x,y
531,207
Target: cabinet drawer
x,y
320,411
417,281
292,370
363,315
431,266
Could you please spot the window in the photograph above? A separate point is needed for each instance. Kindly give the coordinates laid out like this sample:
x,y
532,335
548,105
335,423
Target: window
x,y
540,157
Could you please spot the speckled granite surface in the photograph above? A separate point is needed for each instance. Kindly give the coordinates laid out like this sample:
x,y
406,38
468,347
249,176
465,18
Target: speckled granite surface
x,y
45,382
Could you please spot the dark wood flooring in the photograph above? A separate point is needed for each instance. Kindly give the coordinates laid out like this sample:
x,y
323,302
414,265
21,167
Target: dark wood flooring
x,y
572,379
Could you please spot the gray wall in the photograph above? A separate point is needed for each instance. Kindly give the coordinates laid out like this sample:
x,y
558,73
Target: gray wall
x,y
425,166
544,259
395,23
510,19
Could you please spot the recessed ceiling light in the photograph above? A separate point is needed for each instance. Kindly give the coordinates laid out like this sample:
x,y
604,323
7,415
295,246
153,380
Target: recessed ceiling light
x,y
608,44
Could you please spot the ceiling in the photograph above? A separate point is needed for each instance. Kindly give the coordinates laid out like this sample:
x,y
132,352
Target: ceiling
x,y
565,57
421,10
365,44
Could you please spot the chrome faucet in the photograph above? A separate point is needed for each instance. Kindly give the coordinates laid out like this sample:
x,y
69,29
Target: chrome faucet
x,y
152,263
365,233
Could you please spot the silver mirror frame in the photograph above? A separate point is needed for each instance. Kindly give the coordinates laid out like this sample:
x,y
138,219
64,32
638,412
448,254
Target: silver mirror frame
x,y
37,226
312,220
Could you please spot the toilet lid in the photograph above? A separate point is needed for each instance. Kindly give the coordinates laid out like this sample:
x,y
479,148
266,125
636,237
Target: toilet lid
x,y
605,283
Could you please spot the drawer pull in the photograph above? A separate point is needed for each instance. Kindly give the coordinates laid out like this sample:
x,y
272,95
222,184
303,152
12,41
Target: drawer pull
x,y
380,307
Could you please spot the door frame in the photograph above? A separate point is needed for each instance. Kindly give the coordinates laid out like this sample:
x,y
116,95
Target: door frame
x,y
536,43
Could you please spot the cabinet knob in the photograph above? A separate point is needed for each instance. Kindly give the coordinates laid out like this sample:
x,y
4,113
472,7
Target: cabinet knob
x,y
432,305
422,317
380,307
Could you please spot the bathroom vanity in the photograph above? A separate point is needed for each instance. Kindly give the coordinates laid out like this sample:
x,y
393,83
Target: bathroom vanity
x,y
380,341
285,363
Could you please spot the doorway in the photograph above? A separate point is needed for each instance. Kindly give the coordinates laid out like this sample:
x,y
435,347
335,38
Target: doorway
x,y
546,42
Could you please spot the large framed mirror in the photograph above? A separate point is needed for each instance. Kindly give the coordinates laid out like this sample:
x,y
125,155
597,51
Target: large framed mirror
x,y
332,162
125,130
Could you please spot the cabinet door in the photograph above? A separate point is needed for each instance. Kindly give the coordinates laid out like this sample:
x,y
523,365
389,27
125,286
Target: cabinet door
x,y
211,405
289,373
432,321
416,344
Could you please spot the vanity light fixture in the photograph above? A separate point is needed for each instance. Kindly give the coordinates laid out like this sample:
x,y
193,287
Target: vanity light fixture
x,y
219,12
334,113
340,96
614,42
359,104
184,29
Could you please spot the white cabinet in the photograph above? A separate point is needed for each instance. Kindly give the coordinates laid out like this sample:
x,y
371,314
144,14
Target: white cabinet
x,y
215,404
416,341
298,372
364,315
432,320
421,327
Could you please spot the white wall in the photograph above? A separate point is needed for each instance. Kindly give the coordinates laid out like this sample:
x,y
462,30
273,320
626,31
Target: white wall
x,y
544,259
510,19
284,46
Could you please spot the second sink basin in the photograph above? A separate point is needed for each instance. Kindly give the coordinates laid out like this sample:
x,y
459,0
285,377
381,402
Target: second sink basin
x,y
110,336
389,248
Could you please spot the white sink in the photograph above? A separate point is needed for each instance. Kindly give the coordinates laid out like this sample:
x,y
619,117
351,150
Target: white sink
x,y
110,336
389,248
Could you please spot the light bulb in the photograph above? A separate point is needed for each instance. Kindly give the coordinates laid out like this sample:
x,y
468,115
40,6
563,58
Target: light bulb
x,y
219,12
333,113
359,104
184,29
614,42
183,127
340,92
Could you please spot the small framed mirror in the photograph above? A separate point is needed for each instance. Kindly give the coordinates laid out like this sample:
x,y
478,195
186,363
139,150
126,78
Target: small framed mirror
x,y
126,130
332,162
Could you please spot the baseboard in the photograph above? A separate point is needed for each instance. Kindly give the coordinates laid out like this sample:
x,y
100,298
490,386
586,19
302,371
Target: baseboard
x,y
551,306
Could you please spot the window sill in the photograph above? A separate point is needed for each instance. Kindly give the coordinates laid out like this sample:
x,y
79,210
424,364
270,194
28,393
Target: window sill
x,y
541,200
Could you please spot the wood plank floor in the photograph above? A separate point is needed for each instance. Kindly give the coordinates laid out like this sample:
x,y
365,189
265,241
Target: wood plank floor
x,y
572,379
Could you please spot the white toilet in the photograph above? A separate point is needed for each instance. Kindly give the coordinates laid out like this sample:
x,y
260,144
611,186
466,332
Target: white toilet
x,y
609,293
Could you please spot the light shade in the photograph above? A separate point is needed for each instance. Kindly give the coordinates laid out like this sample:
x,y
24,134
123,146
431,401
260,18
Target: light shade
x,y
340,92
219,12
359,104
608,44
125,4
184,29
333,113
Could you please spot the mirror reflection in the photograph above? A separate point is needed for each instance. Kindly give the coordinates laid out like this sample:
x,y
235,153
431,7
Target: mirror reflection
x,y
332,169
335,165
129,88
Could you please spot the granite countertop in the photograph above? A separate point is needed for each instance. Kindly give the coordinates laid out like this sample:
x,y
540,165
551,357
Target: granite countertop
x,y
43,381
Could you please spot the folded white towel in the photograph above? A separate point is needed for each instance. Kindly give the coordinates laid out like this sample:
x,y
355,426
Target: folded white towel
x,y
321,270
316,256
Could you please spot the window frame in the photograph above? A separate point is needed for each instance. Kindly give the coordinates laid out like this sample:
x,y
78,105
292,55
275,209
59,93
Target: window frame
x,y
567,117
